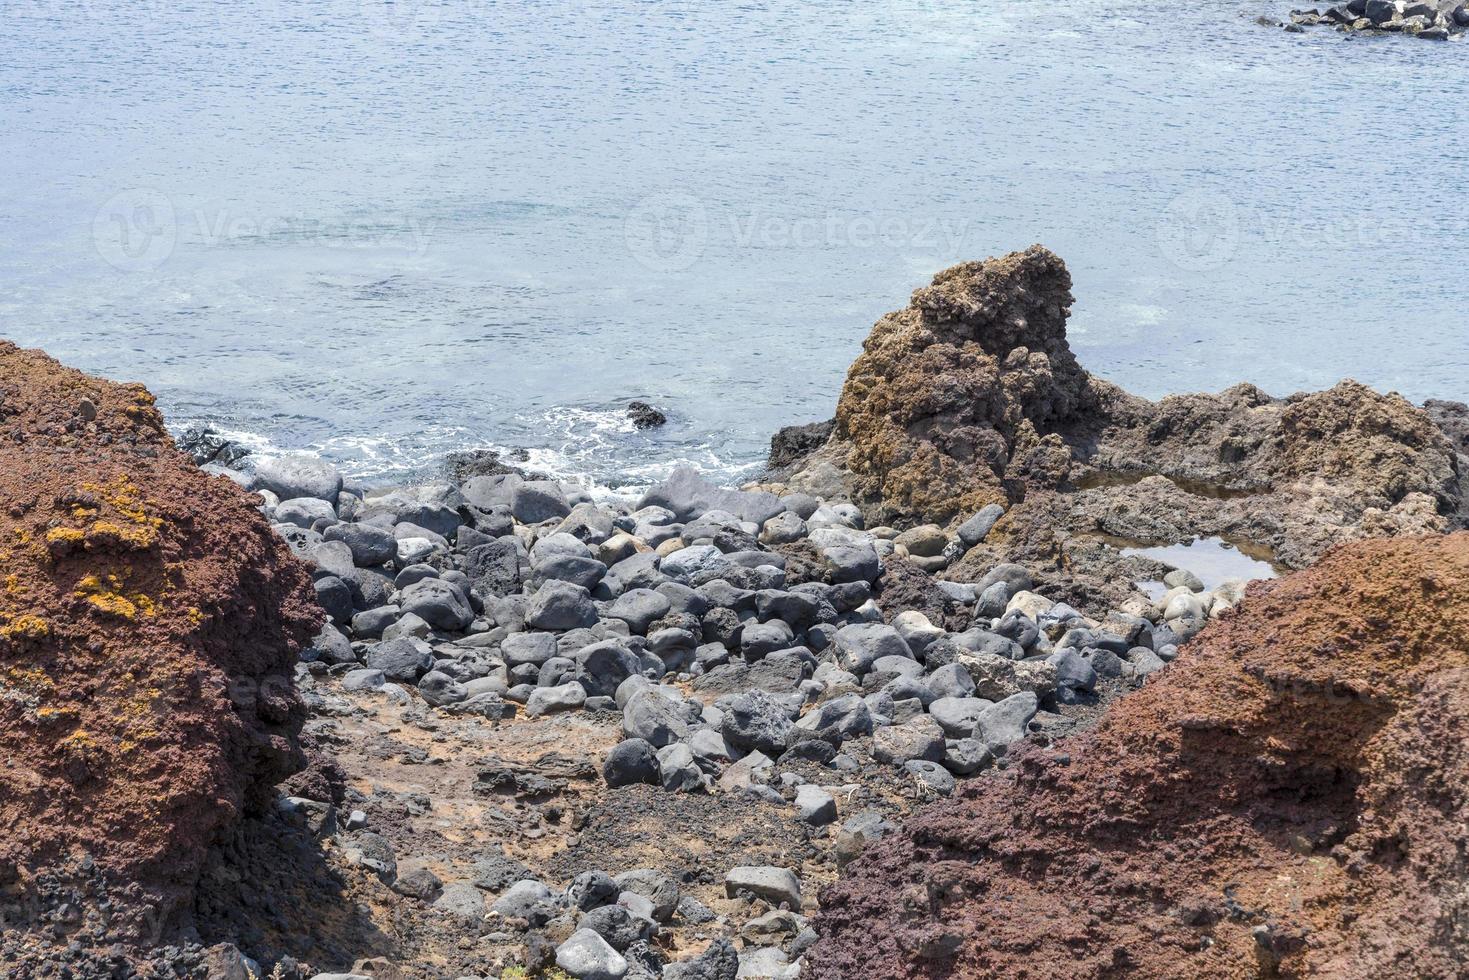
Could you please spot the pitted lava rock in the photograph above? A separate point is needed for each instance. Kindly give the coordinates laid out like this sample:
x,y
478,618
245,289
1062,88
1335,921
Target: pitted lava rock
x,y
947,396
149,623
1286,799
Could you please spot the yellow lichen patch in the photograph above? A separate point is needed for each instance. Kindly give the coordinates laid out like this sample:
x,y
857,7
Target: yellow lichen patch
x,y
195,616
107,598
135,537
26,627
64,540
51,715
132,529
28,680
81,744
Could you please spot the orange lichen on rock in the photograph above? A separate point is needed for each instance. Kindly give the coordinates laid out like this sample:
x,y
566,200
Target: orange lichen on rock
x,y
1289,798
140,596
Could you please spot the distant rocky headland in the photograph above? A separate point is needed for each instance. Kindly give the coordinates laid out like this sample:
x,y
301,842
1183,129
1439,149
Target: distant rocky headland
x,y
1430,20
927,700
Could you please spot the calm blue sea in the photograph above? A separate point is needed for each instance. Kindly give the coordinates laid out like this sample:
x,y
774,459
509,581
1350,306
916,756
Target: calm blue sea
x,y
386,230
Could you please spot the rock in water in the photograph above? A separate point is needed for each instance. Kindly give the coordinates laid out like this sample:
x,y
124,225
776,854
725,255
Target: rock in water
x,y
149,625
1299,777
645,416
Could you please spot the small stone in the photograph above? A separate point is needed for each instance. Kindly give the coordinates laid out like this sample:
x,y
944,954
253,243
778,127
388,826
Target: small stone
x,y
587,956
591,889
778,886
552,700
967,756
974,530
1004,723
659,889
631,761
1183,578
920,738
560,606
719,961
815,805
957,716
520,898
932,776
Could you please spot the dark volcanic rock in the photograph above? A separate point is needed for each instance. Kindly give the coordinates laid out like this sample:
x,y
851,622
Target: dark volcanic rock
x,y
645,416
795,442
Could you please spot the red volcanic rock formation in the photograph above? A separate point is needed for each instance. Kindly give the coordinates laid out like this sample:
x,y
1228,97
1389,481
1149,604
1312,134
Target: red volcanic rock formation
x,y
1289,798
149,623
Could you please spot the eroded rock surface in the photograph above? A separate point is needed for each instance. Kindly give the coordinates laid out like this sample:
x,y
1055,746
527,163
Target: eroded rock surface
x,y
971,396
149,624
1287,800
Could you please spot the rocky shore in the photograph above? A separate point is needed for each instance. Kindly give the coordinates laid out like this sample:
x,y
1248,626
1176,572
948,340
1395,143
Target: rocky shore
x,y
710,733
1430,20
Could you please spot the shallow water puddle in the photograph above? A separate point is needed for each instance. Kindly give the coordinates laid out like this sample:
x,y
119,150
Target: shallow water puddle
x,y
1213,560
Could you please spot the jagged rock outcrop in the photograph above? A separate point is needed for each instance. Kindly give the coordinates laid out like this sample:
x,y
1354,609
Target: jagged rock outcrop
x,y
1288,799
971,396
952,396
149,625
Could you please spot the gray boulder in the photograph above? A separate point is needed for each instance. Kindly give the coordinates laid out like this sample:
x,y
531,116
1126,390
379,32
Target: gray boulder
x,y
304,511
973,531
860,645
440,689
756,721
639,608
527,648
403,659
370,545
958,716
560,606
719,961
815,805
1004,723
553,700
778,886
587,956
298,476
657,719
629,762
603,666
437,603
534,501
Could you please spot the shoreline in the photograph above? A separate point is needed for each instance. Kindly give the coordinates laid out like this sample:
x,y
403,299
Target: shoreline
x,y
648,738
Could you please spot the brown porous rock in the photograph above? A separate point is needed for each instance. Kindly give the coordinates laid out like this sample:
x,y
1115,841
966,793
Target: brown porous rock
x,y
971,396
149,626
1287,799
